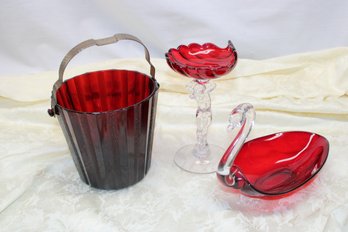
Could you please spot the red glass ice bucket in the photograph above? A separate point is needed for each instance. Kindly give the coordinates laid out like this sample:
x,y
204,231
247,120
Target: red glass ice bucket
x,y
108,119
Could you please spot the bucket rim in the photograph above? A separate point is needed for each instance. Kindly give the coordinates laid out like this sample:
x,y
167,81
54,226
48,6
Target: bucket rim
x,y
154,91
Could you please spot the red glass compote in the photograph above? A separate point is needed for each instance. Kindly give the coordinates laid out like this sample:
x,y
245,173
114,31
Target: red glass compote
x,y
202,63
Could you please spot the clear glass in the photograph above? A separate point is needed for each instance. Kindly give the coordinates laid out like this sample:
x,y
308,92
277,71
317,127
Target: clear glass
x,y
202,63
274,165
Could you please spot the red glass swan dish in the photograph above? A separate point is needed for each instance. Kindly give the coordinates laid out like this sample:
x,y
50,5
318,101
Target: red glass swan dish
x,y
272,165
202,63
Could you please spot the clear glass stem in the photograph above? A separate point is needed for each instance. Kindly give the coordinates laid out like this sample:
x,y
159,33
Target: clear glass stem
x,y
241,117
200,91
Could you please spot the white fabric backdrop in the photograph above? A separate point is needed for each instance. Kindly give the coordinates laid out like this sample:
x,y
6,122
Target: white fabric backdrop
x,y
41,191
35,35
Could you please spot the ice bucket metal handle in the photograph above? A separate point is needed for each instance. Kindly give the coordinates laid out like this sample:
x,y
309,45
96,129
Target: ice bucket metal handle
x,y
86,44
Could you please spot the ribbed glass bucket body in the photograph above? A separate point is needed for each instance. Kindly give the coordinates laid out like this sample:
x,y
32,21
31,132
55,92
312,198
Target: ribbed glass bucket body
x,y
108,120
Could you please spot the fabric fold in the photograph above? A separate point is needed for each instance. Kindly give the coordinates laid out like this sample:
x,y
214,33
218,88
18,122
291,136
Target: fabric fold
x,y
41,189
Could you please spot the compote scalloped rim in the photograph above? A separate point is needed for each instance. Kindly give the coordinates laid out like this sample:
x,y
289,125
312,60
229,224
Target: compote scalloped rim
x,y
230,45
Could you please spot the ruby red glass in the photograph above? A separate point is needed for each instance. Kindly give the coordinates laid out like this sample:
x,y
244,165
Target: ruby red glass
x,y
275,164
202,63
206,61
108,120
104,90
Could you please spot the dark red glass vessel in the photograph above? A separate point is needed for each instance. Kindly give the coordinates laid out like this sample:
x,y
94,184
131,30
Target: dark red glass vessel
x,y
272,165
108,119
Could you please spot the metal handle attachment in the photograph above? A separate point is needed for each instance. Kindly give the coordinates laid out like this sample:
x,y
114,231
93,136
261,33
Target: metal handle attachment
x,y
86,44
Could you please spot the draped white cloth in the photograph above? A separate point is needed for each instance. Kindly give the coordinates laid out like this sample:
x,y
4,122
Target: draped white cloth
x,y
41,190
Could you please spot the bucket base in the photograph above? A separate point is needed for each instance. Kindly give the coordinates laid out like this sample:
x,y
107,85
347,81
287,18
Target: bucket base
x,y
108,186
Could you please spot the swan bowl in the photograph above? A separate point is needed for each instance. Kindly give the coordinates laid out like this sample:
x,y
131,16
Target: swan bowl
x,y
276,165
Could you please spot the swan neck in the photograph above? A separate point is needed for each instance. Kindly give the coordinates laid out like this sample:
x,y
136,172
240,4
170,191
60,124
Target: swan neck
x,y
242,117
